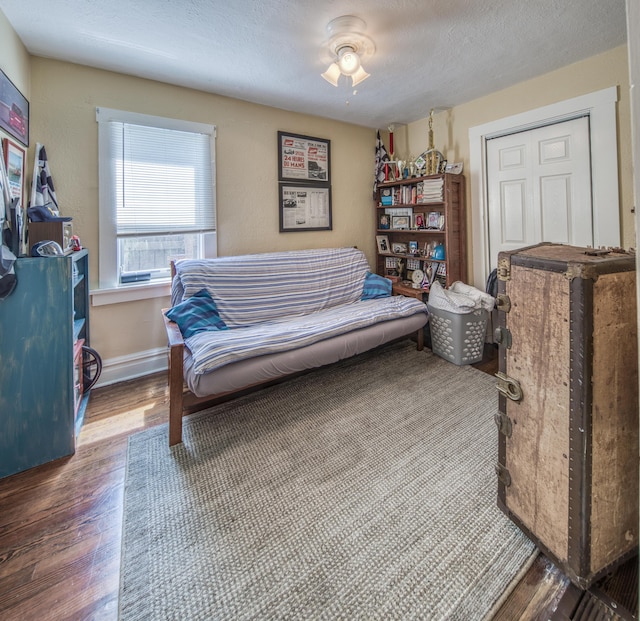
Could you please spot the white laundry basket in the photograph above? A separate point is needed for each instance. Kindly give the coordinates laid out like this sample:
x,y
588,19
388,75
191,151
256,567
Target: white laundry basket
x,y
458,338
458,318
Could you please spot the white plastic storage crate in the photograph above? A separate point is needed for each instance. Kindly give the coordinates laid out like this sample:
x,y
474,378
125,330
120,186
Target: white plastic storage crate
x,y
458,338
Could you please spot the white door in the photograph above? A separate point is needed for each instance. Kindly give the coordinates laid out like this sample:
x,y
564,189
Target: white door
x,y
539,186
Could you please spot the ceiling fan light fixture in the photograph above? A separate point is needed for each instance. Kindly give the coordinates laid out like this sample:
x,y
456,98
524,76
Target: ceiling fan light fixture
x,y
348,45
359,76
348,60
332,74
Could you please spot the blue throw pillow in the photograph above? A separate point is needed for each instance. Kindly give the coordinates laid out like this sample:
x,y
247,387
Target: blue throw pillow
x,y
196,314
376,287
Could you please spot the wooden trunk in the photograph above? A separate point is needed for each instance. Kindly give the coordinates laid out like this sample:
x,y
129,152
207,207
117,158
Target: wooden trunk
x,y
568,405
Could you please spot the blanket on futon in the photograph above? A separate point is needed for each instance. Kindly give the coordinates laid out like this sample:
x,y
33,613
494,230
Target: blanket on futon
x,y
275,302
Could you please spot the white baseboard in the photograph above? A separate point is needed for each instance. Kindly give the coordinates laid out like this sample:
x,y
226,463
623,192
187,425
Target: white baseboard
x,y
128,367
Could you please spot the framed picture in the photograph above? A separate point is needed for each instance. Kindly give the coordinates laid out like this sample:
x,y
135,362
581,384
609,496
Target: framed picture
x,y
399,248
303,158
419,221
433,220
384,221
14,110
14,160
400,222
413,248
383,244
455,168
305,207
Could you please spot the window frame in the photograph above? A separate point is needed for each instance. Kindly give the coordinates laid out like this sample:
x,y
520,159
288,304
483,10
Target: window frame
x,y
110,290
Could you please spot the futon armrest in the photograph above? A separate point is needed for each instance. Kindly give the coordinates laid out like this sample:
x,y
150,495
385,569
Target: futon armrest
x,y
173,331
176,379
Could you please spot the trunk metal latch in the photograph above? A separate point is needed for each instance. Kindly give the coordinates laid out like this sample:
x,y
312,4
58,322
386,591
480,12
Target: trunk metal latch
x,y
509,387
503,302
502,336
503,422
504,476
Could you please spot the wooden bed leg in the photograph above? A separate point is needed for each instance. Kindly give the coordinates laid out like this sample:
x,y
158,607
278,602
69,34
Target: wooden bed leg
x,y
420,339
176,384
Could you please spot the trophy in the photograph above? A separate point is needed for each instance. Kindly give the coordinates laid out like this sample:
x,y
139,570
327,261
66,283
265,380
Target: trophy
x,y
412,166
433,157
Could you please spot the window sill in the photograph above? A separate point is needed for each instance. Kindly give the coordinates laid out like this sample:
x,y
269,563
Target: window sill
x,y
130,293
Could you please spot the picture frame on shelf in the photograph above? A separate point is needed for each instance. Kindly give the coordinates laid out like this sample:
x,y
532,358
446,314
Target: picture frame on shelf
x,y
16,122
413,247
419,221
384,221
433,220
454,168
399,248
400,223
382,242
303,158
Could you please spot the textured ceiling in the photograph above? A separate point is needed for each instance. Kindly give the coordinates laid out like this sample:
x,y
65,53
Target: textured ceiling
x,y
429,53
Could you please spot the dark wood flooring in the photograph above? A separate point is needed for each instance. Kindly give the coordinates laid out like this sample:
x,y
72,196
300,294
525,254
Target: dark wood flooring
x,y
61,523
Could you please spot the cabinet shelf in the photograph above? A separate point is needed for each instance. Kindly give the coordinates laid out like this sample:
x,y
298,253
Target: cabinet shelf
x,y
78,325
412,205
42,408
416,231
405,194
412,180
412,256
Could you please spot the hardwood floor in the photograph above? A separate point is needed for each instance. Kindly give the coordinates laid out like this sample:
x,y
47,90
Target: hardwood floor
x,y
61,523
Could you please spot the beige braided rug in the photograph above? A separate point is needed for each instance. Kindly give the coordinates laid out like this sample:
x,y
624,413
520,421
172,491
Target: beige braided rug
x,y
365,490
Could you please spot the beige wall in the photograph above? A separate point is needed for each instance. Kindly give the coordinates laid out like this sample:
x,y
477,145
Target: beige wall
x,y
64,96
451,128
64,100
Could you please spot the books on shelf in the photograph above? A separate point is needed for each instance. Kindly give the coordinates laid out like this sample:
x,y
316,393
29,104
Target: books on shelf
x,y
430,191
399,211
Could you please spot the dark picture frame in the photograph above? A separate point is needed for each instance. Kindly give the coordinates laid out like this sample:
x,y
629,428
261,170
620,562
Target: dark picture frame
x,y
305,207
304,159
14,110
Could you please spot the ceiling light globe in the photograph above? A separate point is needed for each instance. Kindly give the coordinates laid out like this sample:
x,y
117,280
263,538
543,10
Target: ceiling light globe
x,y
349,61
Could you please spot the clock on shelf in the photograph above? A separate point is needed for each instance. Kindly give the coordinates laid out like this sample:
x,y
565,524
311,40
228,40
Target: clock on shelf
x,y
418,278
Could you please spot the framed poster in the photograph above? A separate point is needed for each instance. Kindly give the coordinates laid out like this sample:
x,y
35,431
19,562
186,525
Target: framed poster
x,y
305,207
14,110
14,160
303,158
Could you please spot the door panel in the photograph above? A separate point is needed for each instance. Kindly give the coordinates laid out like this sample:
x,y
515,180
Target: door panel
x,y
513,212
539,185
555,200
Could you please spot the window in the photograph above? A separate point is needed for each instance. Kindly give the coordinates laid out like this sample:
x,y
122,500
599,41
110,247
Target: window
x,y
157,196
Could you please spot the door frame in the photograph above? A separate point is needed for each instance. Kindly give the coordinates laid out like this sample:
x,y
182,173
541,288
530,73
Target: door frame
x,y
600,107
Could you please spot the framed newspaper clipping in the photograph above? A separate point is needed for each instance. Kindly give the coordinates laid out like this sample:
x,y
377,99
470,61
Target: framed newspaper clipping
x,y
305,207
303,159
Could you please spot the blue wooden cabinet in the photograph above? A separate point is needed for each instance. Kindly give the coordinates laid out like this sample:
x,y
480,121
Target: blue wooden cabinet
x,y
41,324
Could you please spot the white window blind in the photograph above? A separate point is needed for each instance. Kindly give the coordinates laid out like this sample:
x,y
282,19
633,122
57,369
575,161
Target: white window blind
x,y
157,199
162,180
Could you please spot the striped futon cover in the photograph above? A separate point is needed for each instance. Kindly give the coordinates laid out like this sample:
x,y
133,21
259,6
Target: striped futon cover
x,y
279,301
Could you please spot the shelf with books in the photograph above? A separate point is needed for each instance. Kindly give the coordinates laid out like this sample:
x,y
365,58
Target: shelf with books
x,y
421,225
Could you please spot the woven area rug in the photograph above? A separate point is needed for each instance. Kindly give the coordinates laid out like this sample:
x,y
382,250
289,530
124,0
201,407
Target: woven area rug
x,y
364,490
